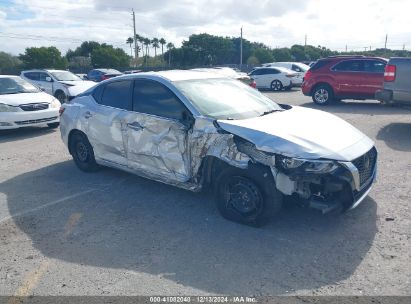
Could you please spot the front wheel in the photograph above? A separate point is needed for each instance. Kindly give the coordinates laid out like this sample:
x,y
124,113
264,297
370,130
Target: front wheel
x,y
61,97
322,95
247,196
83,154
276,85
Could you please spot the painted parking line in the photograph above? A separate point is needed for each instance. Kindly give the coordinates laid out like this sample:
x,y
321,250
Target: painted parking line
x,y
61,200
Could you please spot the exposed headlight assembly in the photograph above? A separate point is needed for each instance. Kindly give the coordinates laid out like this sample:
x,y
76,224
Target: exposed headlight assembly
x,y
55,103
308,166
7,108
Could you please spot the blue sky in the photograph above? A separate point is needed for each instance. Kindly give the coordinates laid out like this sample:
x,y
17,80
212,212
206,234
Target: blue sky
x,y
336,24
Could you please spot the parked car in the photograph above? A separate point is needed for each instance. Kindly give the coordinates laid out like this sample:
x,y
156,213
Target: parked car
x,y
341,77
298,67
196,129
275,79
397,82
132,71
82,76
23,105
229,72
63,85
98,75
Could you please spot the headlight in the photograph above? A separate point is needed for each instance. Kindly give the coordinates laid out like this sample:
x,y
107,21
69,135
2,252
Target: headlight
x,y
308,166
7,108
55,104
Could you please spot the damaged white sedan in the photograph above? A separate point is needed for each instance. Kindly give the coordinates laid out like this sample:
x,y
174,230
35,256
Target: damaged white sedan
x,y
196,129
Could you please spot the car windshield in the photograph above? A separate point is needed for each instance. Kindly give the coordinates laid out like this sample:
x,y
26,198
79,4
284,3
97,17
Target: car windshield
x,y
15,85
225,98
65,76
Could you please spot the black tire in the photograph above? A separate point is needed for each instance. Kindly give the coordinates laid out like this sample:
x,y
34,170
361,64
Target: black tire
x,y
322,95
83,154
276,85
53,125
247,196
61,96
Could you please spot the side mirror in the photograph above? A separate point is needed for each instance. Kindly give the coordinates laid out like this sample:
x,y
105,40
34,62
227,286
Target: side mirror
x,y
48,79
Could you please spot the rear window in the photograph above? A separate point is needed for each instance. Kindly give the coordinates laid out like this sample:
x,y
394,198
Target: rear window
x,y
319,64
117,95
349,66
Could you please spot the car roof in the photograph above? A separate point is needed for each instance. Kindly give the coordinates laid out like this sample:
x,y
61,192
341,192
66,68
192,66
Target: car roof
x,y
283,69
177,75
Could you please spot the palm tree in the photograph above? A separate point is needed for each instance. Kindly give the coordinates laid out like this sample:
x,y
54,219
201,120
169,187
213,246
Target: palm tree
x,y
170,46
141,40
130,41
147,42
162,42
156,45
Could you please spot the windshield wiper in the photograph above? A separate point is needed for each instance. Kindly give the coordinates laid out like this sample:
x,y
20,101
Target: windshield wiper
x,y
269,112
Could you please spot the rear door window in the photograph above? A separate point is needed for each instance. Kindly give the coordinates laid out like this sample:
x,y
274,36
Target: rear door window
x,y
296,68
270,71
32,76
154,98
350,66
319,64
117,94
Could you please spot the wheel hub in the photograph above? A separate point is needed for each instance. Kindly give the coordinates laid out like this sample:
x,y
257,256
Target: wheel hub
x,y
82,152
244,196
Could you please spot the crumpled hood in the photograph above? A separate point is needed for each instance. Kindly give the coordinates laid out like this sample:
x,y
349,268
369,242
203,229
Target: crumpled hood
x,y
25,98
301,132
78,87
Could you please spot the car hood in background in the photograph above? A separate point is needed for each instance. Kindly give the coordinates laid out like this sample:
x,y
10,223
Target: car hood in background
x,y
303,133
78,87
25,98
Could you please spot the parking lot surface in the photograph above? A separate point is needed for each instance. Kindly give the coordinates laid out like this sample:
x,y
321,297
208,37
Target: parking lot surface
x,y
65,232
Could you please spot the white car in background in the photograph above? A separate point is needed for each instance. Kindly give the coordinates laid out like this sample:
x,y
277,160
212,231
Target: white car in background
x,y
63,85
24,105
276,79
297,67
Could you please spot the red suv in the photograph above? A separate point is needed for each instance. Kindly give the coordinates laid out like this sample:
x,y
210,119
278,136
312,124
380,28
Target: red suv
x,y
339,77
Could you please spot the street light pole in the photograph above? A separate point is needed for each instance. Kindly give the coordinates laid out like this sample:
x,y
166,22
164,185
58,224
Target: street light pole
x,y
241,48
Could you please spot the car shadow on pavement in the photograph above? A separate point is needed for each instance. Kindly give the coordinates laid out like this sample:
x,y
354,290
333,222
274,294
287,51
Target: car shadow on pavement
x,y
360,107
139,225
397,136
23,133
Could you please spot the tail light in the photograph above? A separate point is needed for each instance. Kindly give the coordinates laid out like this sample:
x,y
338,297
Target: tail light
x,y
61,111
253,84
104,77
307,75
390,71
291,75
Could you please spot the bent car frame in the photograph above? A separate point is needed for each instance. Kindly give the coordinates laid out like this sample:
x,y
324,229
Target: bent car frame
x,y
195,129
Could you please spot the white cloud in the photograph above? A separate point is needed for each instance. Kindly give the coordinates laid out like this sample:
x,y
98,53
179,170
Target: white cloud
x,y
334,24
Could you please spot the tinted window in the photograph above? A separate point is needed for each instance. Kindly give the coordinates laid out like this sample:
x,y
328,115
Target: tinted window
x,y
374,66
319,64
349,66
42,76
270,71
117,94
151,97
256,72
32,75
296,68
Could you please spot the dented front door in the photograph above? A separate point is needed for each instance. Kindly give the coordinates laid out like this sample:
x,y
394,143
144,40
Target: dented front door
x,y
156,140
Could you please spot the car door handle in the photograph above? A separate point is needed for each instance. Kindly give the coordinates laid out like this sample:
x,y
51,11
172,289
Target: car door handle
x,y
135,126
87,115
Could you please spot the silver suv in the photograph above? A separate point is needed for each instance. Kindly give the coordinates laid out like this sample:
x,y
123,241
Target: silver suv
x,y
196,129
397,82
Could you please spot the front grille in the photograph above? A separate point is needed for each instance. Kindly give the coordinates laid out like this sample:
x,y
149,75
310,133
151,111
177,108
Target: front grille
x,y
366,165
33,121
34,106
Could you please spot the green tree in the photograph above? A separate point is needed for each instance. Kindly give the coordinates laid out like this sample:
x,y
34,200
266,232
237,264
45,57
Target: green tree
x,y
43,57
140,39
107,56
170,46
156,44
298,52
282,54
84,50
147,43
9,64
130,41
80,64
252,60
162,42
263,55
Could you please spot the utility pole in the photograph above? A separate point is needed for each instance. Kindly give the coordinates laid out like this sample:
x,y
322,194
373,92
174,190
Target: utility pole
x,y
241,48
403,47
346,48
305,41
134,37
386,39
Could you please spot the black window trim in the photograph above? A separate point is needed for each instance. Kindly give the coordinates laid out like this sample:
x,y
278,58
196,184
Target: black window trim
x,y
332,68
154,115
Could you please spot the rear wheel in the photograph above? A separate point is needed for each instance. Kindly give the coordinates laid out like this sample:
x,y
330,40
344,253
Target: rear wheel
x,y
82,152
322,95
247,196
276,85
